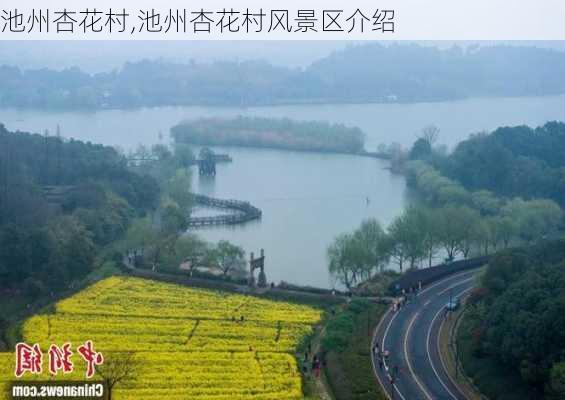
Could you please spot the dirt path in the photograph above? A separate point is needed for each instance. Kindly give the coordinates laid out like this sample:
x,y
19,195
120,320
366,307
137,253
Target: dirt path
x,y
317,388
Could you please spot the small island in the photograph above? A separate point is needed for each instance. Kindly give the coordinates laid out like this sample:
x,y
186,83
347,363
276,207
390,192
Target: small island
x,y
273,133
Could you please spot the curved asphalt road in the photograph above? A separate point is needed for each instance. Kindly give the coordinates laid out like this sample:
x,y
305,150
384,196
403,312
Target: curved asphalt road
x,y
410,335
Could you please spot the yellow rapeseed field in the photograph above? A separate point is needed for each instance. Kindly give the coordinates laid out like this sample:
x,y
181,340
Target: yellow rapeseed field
x,y
185,343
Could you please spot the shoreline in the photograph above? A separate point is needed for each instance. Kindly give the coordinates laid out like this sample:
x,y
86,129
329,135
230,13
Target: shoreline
x,y
364,153
321,102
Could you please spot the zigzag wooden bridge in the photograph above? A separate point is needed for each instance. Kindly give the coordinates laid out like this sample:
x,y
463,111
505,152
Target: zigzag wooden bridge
x,y
244,212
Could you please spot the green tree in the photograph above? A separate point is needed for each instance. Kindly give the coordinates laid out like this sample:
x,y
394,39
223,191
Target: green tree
x,y
407,235
186,248
347,257
506,229
429,222
557,380
375,242
471,230
227,257
454,224
535,218
74,248
15,264
173,219
179,189
486,202
183,155
420,150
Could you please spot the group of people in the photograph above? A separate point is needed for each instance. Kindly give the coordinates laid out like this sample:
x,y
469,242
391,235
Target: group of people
x,y
380,355
315,364
407,296
240,319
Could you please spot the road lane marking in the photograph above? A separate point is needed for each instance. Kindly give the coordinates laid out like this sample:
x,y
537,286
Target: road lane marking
x,y
439,351
445,280
455,285
375,332
406,335
430,356
383,349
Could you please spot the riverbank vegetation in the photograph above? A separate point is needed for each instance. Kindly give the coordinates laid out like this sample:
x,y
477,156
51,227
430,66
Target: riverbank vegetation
x,y
422,236
512,338
270,133
488,170
449,219
507,218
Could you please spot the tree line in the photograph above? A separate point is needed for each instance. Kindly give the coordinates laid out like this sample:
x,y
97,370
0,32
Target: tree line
x,y
511,161
360,74
517,218
418,238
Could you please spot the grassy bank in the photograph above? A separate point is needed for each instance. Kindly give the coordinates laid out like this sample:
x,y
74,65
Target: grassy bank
x,y
347,342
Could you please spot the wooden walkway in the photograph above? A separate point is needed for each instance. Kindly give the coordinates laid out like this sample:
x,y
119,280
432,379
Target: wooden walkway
x,y
242,212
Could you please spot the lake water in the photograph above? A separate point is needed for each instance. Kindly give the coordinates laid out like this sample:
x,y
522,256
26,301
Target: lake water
x,y
307,199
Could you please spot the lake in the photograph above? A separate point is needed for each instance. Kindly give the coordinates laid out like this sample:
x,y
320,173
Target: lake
x,y
307,198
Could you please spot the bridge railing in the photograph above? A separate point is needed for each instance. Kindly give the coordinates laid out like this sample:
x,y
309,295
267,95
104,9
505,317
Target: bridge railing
x,y
245,212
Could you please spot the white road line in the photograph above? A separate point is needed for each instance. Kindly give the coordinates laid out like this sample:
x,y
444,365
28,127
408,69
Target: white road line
x,y
455,285
382,348
439,348
373,356
445,280
430,357
387,329
407,334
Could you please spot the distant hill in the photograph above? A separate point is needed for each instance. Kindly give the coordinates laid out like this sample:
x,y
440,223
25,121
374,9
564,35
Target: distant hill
x,y
409,73
358,74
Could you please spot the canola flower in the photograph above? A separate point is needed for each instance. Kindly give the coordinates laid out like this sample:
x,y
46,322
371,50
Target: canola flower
x,y
187,343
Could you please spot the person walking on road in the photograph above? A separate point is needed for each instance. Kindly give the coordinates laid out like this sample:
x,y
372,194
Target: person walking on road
x,y
376,349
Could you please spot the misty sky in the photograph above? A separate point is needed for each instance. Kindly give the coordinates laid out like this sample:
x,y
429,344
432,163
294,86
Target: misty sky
x,y
96,56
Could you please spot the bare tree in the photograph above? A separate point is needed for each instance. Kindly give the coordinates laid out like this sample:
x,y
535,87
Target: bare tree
x,y
430,134
116,369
